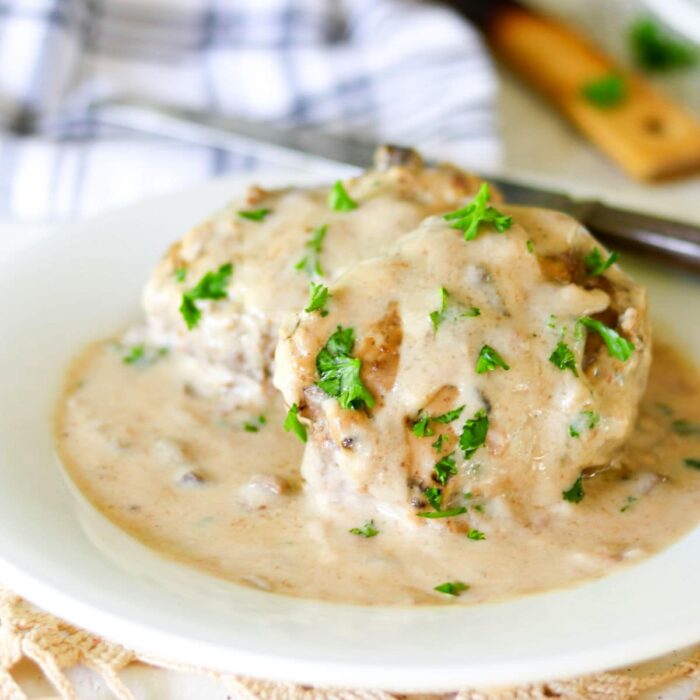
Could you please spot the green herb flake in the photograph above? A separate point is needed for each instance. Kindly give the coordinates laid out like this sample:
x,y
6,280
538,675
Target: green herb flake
x,y
563,357
631,500
212,286
473,534
293,424
489,360
367,530
596,265
254,214
311,262
444,469
421,428
437,445
437,317
453,588
664,408
319,298
470,218
656,51
474,433
685,427
339,199
605,92
585,420
135,354
434,496
339,372
435,514
618,346
250,427
450,416
576,493
180,274
530,245
692,463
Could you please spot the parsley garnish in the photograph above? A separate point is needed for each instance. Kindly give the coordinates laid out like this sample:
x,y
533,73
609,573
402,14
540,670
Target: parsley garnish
x,y
367,530
692,463
453,588
664,408
180,274
136,353
437,317
474,433
319,297
442,513
339,199
212,286
656,51
293,424
631,500
254,427
563,357
339,372
469,218
586,419
530,245
444,469
475,534
437,445
596,266
607,91
576,493
489,360
434,496
254,214
311,262
618,346
421,428
685,427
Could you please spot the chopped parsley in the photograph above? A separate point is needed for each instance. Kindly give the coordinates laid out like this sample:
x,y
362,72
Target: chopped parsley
x,y
489,360
596,265
293,424
576,493
434,496
685,427
618,346
606,91
563,357
530,245
450,513
469,218
475,534
437,445
136,353
448,417
585,420
254,426
367,530
692,463
212,286
631,500
319,298
180,274
453,588
474,433
421,427
656,51
339,372
444,469
441,314
339,199
311,262
254,214
664,408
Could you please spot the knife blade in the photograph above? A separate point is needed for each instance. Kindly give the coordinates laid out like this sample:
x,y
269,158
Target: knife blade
x,y
676,240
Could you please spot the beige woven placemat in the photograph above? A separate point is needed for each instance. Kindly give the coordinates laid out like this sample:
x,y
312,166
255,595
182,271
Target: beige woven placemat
x,y
27,633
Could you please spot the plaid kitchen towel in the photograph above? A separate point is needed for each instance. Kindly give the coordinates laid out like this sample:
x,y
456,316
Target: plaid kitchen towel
x,y
402,71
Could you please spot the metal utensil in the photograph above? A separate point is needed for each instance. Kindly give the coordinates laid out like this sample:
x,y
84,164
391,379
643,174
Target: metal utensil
x,y
673,239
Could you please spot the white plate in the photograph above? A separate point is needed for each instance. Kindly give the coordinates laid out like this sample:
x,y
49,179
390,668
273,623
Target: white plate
x,y
84,282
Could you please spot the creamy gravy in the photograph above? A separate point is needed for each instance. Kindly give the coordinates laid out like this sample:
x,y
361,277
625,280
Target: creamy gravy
x,y
186,479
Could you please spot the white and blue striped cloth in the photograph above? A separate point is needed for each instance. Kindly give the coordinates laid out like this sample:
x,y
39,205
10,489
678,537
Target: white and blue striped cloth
x,y
387,70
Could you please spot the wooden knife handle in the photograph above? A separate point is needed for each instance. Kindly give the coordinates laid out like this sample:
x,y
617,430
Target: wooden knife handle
x,y
647,134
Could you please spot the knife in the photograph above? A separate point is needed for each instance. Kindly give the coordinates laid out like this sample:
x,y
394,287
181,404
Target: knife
x,y
674,240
